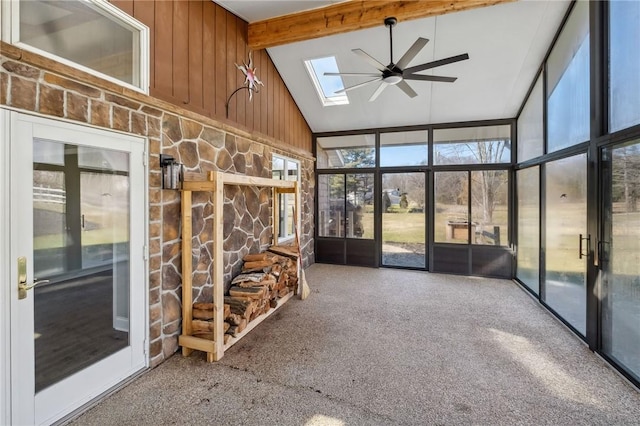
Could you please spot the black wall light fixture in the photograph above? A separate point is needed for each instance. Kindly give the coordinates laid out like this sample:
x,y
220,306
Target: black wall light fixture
x,y
172,172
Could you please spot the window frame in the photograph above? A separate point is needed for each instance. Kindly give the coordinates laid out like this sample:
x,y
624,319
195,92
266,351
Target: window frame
x,y
284,197
10,19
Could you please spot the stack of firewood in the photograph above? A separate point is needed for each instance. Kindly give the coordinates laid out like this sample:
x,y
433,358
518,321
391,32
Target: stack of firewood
x,y
265,278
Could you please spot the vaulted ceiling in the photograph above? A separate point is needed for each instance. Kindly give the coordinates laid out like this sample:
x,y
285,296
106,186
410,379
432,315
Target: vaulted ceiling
x,y
506,43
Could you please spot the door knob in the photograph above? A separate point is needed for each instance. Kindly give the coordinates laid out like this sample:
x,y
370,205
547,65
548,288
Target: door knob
x,y
22,279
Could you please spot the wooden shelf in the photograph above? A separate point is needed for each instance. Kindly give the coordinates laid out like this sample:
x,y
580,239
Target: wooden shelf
x,y
214,183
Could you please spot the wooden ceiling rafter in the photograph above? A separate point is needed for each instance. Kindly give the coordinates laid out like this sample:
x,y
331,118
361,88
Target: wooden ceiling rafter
x,y
349,16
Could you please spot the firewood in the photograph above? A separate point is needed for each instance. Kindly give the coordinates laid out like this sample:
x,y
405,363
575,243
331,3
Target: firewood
x,y
255,277
293,282
202,314
240,306
234,330
209,334
276,269
200,325
249,284
227,311
288,251
257,266
243,324
250,292
235,319
255,257
227,337
269,281
205,306
282,281
283,292
273,303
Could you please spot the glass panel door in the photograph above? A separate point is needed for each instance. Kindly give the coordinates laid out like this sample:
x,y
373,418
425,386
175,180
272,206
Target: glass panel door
x,y
77,218
404,219
566,223
619,257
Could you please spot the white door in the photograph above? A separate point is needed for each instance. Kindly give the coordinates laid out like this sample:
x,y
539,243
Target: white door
x,y
77,219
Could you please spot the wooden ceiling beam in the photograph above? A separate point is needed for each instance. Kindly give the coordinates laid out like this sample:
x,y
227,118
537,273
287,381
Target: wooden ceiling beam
x,y
349,16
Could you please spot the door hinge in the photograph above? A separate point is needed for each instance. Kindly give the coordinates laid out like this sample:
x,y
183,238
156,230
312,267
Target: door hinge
x,y
145,160
145,252
145,347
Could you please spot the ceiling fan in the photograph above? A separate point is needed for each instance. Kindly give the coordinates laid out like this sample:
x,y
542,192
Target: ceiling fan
x,y
397,74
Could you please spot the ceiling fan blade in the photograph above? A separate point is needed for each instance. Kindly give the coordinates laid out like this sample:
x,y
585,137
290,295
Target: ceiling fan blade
x,y
412,52
346,89
434,64
430,78
354,74
407,89
379,90
364,55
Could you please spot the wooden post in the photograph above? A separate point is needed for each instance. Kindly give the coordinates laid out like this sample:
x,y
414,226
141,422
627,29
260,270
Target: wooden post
x,y
218,264
187,303
275,216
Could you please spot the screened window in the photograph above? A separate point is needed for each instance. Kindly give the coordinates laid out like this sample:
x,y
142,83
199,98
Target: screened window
x,y
624,64
404,148
530,126
286,169
568,83
472,145
340,152
451,221
489,207
91,35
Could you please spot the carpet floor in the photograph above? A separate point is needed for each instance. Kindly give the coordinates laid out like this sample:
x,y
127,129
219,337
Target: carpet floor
x,y
387,347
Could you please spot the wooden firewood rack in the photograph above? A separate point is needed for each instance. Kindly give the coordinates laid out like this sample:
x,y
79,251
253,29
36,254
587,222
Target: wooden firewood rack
x,y
214,183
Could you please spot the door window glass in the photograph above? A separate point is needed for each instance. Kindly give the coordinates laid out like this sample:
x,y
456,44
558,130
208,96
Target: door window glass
x,y
403,219
81,245
566,221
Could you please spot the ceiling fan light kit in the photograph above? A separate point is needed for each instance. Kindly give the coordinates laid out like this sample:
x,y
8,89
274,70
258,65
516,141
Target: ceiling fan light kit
x,y
396,74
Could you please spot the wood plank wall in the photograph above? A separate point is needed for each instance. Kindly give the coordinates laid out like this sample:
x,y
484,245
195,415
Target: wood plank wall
x,y
194,45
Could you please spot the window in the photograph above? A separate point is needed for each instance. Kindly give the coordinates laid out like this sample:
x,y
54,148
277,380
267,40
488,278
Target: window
x,y
286,169
345,152
624,64
528,259
93,36
327,86
472,145
530,126
568,93
403,148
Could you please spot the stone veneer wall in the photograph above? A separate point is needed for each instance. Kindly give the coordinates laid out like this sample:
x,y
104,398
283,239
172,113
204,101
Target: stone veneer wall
x,y
198,143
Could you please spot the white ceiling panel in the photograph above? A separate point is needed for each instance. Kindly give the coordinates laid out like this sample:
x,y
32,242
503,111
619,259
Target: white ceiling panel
x,y
506,44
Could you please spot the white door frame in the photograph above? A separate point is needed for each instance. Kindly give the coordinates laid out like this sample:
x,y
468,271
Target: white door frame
x,y
5,324
59,406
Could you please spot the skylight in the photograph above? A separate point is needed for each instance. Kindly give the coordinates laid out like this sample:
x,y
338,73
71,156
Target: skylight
x,y
326,86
